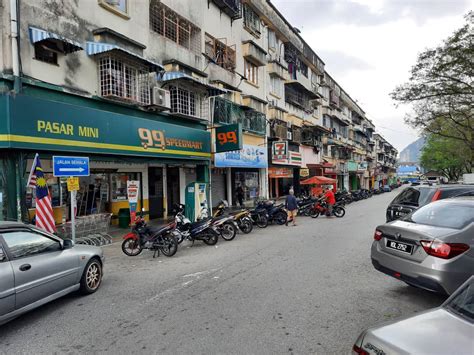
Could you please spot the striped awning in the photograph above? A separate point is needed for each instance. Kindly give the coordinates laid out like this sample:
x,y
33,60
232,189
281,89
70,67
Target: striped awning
x,y
94,48
177,75
67,45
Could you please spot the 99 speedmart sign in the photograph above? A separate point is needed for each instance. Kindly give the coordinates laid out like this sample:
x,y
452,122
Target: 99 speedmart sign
x,y
228,138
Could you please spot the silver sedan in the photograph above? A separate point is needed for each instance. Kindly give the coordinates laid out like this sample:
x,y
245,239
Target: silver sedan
x,y
448,329
37,267
431,248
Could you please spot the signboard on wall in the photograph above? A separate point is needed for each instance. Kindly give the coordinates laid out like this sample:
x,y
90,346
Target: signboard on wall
x,y
304,172
228,138
279,150
294,158
280,172
250,156
35,123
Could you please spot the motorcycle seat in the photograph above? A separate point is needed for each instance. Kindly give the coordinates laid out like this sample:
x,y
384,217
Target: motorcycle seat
x,y
158,229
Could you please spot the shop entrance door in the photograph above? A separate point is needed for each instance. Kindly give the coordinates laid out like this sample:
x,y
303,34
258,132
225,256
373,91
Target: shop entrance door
x,y
155,182
173,187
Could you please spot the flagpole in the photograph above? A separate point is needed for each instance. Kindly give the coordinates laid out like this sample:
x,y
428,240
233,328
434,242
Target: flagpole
x,y
31,170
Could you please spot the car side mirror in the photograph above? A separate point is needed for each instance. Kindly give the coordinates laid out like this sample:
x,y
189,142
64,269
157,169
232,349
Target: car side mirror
x,y
68,244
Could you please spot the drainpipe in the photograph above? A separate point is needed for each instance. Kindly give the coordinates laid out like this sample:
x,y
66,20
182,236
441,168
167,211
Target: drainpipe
x,y
14,39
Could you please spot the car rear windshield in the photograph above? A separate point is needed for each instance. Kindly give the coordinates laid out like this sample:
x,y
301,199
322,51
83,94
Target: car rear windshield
x,y
414,197
463,303
445,215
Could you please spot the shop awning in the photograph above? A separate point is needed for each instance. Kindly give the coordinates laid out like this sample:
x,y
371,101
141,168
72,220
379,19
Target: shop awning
x,y
318,180
56,42
94,48
177,75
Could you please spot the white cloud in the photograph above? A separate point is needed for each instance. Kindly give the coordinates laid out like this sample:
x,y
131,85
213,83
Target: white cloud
x,y
377,56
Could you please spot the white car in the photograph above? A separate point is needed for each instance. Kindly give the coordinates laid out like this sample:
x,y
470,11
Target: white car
x,y
448,329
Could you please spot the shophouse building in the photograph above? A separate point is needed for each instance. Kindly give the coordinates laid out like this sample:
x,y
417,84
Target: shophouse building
x,y
139,88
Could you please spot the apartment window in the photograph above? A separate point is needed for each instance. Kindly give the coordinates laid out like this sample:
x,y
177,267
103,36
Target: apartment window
x,y
219,52
251,21
272,40
303,68
120,7
45,54
176,28
183,101
276,86
251,72
124,79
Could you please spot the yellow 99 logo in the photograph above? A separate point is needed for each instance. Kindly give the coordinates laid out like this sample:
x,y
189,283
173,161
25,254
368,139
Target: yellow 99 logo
x,y
227,137
152,138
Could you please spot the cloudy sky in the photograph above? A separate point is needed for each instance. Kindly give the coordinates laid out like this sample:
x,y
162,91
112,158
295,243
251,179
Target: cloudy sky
x,y
369,47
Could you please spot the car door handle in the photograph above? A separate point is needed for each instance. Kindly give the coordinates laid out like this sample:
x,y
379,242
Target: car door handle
x,y
25,267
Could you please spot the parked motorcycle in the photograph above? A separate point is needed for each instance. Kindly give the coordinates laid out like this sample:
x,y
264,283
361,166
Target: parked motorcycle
x,y
275,213
321,207
156,239
242,217
259,217
202,230
305,204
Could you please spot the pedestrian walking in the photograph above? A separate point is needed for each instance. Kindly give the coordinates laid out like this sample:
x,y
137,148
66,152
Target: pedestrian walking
x,y
292,206
240,195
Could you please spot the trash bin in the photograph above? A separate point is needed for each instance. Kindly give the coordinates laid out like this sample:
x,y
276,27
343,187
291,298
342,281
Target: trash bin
x,y
124,217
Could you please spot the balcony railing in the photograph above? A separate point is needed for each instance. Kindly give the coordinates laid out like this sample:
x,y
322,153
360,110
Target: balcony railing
x,y
227,112
279,131
233,8
296,134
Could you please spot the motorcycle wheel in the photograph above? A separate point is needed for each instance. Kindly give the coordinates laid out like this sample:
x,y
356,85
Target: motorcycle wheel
x,y
246,226
210,238
280,218
228,231
262,221
314,213
339,212
131,247
170,245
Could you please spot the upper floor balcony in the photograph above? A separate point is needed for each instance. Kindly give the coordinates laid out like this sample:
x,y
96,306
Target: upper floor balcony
x,y
232,8
228,112
277,69
254,53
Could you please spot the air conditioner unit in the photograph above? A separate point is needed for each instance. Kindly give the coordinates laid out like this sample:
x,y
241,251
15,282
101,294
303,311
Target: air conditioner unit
x,y
288,124
160,98
289,135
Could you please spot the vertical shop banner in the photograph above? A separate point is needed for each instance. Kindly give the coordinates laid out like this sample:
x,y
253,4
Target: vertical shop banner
x,y
133,188
228,138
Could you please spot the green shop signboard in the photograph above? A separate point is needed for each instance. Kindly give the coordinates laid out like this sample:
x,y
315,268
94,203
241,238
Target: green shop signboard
x,y
34,123
228,138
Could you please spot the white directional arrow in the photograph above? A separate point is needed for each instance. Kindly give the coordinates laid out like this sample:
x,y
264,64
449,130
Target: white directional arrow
x,y
72,169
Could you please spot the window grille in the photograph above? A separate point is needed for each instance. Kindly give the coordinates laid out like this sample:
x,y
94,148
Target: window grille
x,y
227,112
251,72
125,79
252,21
188,102
219,52
171,25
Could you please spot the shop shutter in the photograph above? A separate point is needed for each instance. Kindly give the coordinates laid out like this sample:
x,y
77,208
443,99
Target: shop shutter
x,y
218,189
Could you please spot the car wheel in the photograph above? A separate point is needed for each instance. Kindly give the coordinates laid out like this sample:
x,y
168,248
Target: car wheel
x,y
91,277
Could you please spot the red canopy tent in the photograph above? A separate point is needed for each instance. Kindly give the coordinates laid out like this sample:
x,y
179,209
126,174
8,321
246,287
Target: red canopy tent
x,y
319,181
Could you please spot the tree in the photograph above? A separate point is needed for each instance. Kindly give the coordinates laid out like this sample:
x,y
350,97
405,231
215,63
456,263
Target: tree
x,y
441,89
445,155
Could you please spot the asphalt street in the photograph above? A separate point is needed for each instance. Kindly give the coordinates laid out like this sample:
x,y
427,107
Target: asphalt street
x,y
280,290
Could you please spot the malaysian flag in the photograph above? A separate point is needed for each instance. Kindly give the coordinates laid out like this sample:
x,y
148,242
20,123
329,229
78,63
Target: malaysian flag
x,y
32,177
44,208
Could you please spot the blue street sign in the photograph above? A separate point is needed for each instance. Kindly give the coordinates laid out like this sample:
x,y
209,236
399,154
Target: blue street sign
x,y
70,166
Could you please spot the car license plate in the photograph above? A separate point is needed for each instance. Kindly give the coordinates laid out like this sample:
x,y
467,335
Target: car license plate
x,y
405,248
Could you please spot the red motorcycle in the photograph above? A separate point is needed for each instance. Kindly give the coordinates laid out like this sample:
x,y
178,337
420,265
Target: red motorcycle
x,y
156,239
321,207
